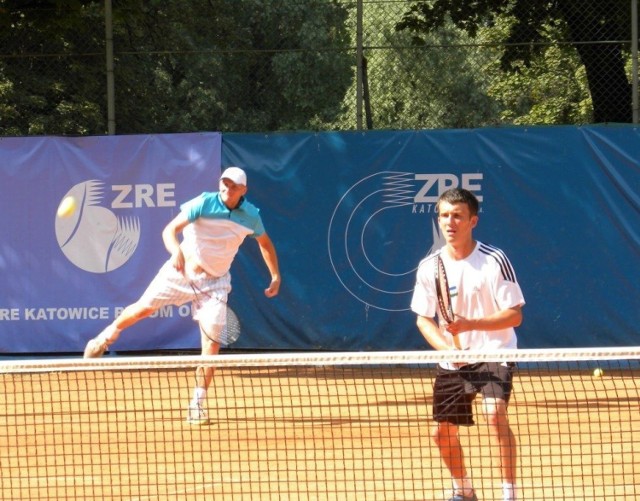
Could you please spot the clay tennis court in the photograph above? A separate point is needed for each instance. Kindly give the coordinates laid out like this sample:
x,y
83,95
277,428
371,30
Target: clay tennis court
x,y
324,432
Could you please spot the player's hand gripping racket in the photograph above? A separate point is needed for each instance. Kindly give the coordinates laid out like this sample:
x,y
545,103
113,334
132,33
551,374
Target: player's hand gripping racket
x,y
444,297
231,329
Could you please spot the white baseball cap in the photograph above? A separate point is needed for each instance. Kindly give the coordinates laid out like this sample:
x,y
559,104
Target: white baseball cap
x,y
236,174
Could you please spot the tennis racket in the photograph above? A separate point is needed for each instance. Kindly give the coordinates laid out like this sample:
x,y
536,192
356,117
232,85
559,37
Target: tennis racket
x,y
232,328
444,297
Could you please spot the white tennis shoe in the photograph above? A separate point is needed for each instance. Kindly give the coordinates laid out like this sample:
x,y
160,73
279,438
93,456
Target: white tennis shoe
x,y
95,348
197,415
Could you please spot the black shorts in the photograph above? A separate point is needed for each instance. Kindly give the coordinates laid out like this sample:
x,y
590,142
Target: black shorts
x,y
455,390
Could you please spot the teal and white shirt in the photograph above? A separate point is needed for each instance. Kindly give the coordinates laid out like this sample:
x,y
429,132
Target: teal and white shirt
x,y
215,234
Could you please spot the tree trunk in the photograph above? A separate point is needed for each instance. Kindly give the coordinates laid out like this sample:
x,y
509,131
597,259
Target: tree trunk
x,y
592,29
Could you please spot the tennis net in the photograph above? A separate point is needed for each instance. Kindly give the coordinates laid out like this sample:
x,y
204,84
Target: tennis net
x,y
325,426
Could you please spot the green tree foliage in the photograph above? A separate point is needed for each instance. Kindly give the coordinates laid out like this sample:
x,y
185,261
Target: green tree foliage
x,y
33,98
272,65
551,89
436,84
434,87
248,65
180,65
594,28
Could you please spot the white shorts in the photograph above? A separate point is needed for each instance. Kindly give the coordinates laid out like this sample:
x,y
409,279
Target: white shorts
x,y
208,294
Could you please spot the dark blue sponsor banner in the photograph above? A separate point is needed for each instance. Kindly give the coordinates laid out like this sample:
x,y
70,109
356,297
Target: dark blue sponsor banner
x,y
353,213
66,278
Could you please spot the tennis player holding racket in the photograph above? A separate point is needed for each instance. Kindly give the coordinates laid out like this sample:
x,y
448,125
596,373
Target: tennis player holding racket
x,y
213,226
485,304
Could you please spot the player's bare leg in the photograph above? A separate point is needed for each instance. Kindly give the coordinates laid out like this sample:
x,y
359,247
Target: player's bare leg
x,y
204,375
498,421
445,436
197,413
132,314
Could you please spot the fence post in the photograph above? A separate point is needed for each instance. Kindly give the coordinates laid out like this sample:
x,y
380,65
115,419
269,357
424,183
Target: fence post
x,y
634,58
111,107
359,54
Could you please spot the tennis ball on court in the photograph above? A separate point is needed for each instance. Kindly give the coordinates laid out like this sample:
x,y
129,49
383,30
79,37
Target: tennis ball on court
x,y
598,372
67,207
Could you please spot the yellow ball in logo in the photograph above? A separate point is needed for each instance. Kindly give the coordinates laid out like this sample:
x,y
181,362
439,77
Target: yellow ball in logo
x,y
67,207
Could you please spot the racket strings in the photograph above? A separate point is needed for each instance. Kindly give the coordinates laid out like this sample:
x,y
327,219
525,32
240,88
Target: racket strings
x,y
442,289
230,331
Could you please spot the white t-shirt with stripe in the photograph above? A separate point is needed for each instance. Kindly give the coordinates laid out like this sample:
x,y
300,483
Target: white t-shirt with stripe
x,y
480,285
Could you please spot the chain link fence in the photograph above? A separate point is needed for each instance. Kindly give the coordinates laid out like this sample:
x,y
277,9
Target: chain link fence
x,y
97,67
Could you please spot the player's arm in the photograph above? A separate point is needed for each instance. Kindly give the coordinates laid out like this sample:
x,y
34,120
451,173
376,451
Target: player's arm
x,y
503,319
432,333
171,241
270,257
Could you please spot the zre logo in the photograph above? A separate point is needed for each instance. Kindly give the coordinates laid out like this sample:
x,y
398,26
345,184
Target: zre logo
x,y
382,227
94,237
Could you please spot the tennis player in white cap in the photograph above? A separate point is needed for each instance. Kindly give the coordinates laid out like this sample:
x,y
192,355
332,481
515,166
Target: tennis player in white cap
x,y
213,226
